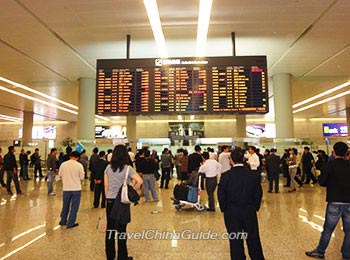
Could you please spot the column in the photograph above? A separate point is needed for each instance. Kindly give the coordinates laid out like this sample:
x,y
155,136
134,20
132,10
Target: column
x,y
86,116
240,130
27,127
131,132
348,119
282,93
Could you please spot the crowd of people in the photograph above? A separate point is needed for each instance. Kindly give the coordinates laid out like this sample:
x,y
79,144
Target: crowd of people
x,y
239,191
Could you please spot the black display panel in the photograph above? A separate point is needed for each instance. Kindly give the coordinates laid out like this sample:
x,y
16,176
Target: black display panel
x,y
236,85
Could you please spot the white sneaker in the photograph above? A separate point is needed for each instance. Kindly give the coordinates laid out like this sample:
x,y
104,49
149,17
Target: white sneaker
x,y
52,194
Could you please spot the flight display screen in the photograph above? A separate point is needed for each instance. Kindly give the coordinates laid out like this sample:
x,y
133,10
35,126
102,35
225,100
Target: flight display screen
x,y
236,85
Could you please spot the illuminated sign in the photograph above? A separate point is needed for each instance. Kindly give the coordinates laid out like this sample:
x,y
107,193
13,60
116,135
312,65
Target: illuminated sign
x,y
339,129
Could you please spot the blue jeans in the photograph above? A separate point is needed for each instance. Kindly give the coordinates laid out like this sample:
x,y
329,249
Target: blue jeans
x,y
50,179
71,201
149,184
334,212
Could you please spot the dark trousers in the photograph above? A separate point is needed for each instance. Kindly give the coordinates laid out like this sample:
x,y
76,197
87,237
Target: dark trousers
x,y
11,175
99,190
297,180
37,167
210,185
112,228
165,177
238,220
309,175
24,172
92,183
273,177
3,184
71,202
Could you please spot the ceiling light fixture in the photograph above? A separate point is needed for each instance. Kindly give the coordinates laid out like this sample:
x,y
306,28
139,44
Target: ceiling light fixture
x,y
37,100
327,92
203,26
38,92
322,101
154,19
10,118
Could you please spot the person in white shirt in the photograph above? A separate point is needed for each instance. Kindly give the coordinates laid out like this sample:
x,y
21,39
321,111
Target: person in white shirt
x,y
253,160
72,173
211,168
212,154
224,159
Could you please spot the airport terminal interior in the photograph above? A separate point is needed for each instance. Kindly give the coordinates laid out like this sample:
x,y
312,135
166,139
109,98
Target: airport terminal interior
x,y
170,74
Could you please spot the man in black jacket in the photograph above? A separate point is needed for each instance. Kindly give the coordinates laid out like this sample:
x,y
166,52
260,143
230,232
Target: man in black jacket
x,y
335,176
239,196
273,169
308,161
10,166
99,167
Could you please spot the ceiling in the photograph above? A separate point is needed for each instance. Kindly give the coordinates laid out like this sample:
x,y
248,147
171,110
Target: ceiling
x,y
49,45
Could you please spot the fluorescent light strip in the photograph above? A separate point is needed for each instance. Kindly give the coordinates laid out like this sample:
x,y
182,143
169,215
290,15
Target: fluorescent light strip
x,y
154,19
322,101
327,92
37,100
10,118
203,26
102,117
37,92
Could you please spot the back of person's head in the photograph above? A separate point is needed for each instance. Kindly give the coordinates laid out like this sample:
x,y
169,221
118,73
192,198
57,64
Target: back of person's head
x,y
129,149
53,150
83,151
185,152
69,150
165,150
28,152
273,150
101,154
237,155
205,155
197,148
95,150
120,157
224,147
36,150
295,151
75,154
340,149
10,148
147,153
307,148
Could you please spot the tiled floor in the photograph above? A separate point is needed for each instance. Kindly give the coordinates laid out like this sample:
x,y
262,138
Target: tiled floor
x,y
289,225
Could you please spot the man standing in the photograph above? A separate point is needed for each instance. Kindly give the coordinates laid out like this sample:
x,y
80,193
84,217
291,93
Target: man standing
x,y
72,173
36,161
335,176
239,195
253,160
211,168
51,171
165,158
308,161
92,161
10,166
224,159
194,162
273,169
2,183
100,167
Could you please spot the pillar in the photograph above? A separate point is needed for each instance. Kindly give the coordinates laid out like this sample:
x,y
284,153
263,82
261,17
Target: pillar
x,y
348,119
86,115
240,130
282,93
131,132
27,127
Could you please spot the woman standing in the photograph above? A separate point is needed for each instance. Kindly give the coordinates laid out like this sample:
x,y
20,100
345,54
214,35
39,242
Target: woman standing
x,y
114,178
293,167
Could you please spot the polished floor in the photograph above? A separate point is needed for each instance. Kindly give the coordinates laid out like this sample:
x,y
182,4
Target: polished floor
x,y
289,225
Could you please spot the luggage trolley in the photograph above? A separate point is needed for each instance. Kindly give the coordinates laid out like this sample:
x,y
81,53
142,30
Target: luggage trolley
x,y
180,202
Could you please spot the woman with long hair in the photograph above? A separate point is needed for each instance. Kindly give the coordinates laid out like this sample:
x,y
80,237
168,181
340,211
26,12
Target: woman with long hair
x,y
114,178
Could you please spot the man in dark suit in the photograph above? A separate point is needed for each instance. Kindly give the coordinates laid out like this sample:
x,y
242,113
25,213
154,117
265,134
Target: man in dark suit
x,y
195,160
239,196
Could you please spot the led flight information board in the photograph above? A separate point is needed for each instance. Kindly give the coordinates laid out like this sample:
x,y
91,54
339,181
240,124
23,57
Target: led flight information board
x,y
182,86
